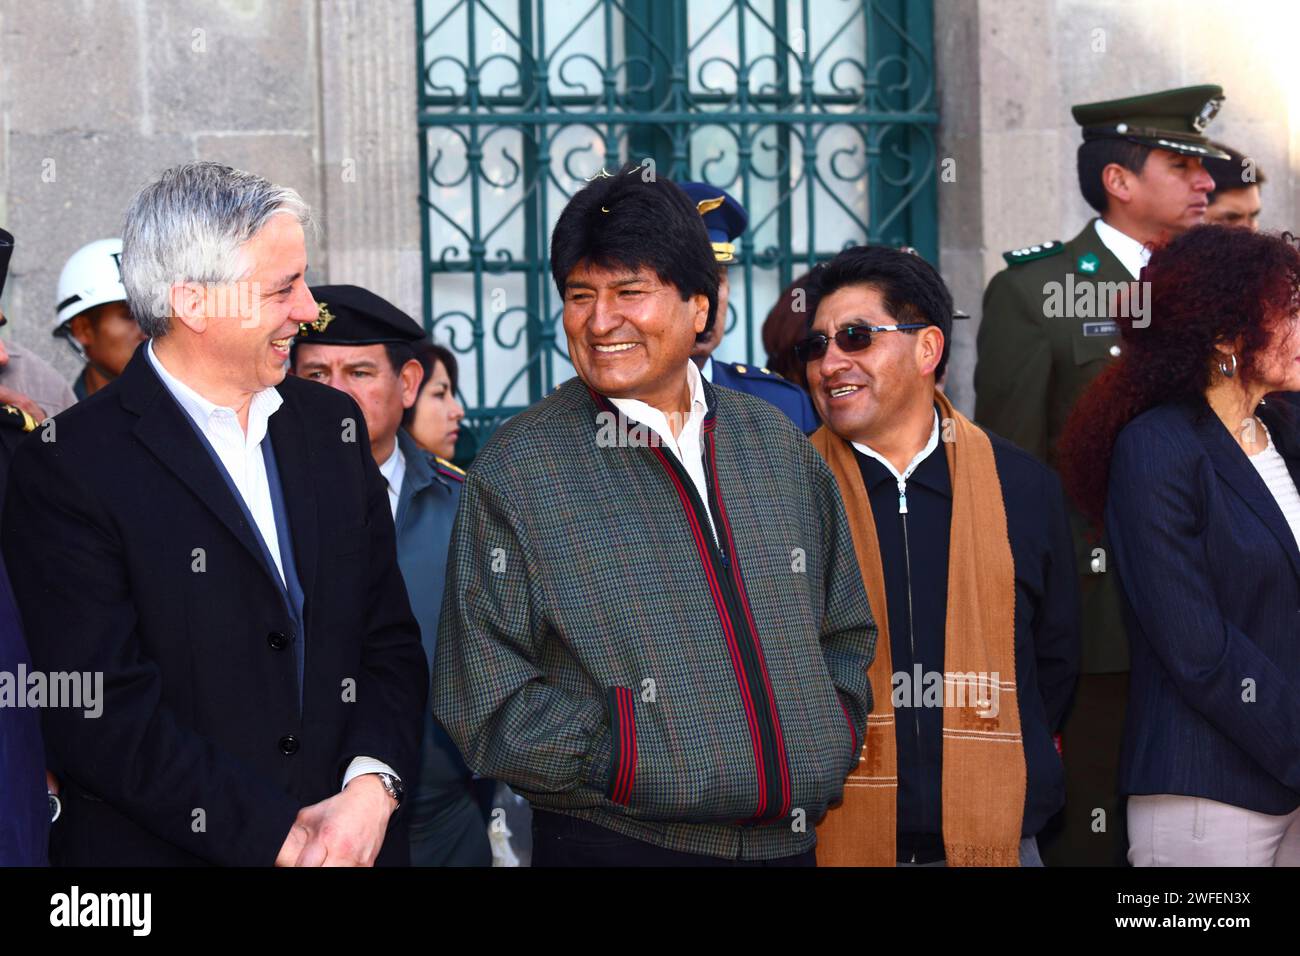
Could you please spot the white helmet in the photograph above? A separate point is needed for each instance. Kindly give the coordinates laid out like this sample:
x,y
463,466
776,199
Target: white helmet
x,y
91,277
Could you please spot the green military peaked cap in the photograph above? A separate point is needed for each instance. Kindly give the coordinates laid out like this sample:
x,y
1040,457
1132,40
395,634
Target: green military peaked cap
x,y
1171,119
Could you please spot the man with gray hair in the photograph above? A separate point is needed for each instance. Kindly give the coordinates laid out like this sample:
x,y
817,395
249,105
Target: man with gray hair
x,y
215,539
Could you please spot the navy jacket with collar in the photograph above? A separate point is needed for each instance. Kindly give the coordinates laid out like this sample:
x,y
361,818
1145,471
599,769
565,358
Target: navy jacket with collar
x,y
1211,580
24,809
447,827
1046,623
769,386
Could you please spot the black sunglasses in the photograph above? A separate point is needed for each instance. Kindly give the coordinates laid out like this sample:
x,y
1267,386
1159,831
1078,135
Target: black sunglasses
x,y
855,338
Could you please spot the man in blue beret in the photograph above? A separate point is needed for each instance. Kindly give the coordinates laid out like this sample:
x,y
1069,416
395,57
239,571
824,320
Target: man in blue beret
x,y
364,345
726,220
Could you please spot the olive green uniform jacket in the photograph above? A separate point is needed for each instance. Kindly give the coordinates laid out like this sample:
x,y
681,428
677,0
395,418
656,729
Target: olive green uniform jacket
x,y
1033,363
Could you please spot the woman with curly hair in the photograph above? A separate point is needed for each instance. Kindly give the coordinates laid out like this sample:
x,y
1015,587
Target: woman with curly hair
x,y
1194,474
786,325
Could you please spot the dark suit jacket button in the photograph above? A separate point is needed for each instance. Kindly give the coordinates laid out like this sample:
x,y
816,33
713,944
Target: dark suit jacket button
x,y
277,641
288,745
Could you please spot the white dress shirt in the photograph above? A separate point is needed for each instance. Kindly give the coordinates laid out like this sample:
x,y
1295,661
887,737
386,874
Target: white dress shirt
x,y
241,455
707,369
240,452
394,471
1131,254
900,478
688,446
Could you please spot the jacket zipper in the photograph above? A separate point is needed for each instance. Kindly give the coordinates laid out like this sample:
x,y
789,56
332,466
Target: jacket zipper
x,y
751,675
752,669
765,706
911,634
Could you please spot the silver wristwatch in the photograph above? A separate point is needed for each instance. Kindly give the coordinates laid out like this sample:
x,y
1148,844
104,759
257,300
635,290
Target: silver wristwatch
x,y
393,785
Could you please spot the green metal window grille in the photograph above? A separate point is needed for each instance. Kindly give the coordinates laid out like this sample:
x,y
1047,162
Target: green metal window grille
x,y
817,115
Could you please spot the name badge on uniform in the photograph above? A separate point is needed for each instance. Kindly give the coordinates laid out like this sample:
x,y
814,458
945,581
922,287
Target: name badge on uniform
x,y
1100,328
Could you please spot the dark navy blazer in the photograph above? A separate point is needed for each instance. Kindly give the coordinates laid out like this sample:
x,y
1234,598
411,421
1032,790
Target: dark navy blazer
x,y
1210,575
24,808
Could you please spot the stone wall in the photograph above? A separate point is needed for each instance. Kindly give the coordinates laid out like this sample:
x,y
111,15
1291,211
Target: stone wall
x,y
1009,71
99,96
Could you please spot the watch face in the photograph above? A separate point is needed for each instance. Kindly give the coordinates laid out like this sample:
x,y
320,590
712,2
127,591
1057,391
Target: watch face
x,y
393,786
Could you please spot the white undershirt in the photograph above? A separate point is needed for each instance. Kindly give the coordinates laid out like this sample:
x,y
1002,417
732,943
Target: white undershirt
x,y
1272,468
901,478
241,456
1132,255
687,446
394,471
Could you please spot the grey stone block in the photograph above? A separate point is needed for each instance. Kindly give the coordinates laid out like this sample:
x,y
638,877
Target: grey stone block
x,y
961,202
71,65
288,159
961,271
95,175
370,176
234,65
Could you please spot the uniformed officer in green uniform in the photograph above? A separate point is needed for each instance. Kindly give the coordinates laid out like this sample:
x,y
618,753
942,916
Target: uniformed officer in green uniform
x,y
1048,330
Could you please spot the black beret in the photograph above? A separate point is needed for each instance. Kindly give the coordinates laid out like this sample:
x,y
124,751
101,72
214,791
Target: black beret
x,y
351,315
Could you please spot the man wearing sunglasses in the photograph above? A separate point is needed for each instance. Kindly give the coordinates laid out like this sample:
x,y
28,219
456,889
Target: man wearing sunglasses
x,y
968,566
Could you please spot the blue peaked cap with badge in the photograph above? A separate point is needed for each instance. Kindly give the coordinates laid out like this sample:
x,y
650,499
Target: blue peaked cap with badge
x,y
725,220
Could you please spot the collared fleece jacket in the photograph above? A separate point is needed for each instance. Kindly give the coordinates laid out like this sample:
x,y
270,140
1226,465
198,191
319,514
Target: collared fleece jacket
x,y
601,652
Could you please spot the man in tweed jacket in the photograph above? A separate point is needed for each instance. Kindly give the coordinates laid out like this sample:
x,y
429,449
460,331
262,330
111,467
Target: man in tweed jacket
x,y
654,626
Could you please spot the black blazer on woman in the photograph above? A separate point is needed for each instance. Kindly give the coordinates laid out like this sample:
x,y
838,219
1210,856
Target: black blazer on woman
x,y
1211,578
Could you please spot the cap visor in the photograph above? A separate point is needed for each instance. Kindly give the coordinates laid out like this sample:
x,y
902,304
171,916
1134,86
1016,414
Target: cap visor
x,y
1200,150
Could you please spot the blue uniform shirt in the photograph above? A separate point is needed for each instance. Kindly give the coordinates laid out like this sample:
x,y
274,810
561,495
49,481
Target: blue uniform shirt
x,y
787,396
447,827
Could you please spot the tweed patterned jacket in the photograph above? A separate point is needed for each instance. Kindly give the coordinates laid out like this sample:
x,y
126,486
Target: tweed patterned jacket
x,y
600,652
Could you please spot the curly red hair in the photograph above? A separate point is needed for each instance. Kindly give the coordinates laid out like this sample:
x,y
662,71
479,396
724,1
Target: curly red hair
x,y
1209,285
783,327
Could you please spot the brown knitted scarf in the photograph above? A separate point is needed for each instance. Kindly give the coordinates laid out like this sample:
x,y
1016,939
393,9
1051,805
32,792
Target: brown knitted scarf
x,y
983,755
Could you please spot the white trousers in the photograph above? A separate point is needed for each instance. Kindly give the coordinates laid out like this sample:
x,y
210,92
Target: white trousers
x,y
1175,830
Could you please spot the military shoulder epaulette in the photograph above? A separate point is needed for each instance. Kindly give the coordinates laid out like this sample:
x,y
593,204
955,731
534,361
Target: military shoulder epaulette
x,y
1037,251
11,416
749,371
447,468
